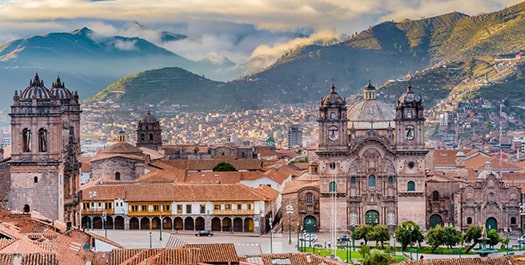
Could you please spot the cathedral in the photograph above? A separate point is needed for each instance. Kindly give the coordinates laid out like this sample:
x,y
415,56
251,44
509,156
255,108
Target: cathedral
x,y
372,161
44,168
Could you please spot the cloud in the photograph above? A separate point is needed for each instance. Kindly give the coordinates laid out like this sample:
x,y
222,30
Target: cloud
x,y
125,45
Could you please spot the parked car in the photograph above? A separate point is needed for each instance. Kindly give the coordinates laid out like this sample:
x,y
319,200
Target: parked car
x,y
521,239
309,237
344,238
204,233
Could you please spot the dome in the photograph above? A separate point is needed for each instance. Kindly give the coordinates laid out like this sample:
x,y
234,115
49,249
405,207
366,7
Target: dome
x,y
149,118
36,89
332,99
370,113
59,90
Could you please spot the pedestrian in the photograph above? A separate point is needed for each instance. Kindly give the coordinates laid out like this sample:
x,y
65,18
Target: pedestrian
x,y
421,257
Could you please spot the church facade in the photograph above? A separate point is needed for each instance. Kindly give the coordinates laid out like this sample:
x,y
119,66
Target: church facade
x,y
372,161
44,168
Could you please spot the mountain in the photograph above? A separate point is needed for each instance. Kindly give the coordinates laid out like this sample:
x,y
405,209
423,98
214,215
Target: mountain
x,y
88,62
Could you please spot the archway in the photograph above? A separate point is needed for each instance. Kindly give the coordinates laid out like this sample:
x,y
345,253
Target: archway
x,y
310,224
86,222
144,223
167,223
216,224
134,223
97,222
155,223
237,225
372,217
199,224
109,222
119,223
226,224
248,225
491,223
189,224
435,219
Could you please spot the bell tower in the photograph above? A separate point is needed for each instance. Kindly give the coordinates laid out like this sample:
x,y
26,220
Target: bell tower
x,y
410,120
149,133
332,122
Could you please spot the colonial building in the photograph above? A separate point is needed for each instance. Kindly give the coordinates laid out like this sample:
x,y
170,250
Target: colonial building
x,y
149,133
44,167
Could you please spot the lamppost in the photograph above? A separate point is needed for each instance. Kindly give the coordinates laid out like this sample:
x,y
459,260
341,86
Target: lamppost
x,y
410,229
289,211
507,245
271,235
92,194
104,216
522,213
149,239
348,258
161,222
298,241
353,242
394,244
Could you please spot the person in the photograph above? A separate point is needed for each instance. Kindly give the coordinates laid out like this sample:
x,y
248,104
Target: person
x,y
421,257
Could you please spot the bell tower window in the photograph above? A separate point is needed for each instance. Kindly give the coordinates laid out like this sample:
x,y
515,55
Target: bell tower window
x,y
26,140
151,137
42,140
142,137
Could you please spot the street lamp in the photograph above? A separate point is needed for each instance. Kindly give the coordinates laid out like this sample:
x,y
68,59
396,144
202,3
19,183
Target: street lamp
x,y
104,216
161,222
271,235
347,257
289,211
298,241
149,239
410,229
353,243
92,194
394,244
507,245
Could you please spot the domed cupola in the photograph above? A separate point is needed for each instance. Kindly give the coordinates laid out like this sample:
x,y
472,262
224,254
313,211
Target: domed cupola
x,y
149,118
370,113
36,89
332,99
59,90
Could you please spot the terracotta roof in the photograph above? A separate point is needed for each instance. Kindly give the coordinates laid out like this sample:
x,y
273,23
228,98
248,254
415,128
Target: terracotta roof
x,y
104,192
120,149
158,175
216,253
154,155
280,174
445,158
209,164
149,192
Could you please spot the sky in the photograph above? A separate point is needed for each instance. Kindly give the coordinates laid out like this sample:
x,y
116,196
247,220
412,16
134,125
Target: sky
x,y
239,30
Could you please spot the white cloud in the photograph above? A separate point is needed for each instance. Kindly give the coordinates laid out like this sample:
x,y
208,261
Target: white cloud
x,y
125,45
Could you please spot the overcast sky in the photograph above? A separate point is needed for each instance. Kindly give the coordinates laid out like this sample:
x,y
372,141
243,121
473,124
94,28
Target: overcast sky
x,y
237,29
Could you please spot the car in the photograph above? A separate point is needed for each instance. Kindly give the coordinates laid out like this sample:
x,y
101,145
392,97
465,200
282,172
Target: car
x,y
343,238
309,237
521,239
204,233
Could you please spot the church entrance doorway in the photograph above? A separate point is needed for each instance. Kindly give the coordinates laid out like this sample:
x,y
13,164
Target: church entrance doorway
x,y
491,223
435,219
372,218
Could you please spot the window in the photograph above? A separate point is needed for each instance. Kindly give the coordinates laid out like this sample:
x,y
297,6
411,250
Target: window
x,y
352,180
332,165
167,207
469,220
42,140
117,176
142,137
179,208
333,186
513,220
390,180
217,207
188,208
227,206
309,198
239,207
332,115
155,208
435,195
26,140
35,179
371,181
411,164
411,186
202,208
151,137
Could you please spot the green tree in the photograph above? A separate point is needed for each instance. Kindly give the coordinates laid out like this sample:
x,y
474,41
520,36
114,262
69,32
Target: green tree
x,y
473,234
223,166
451,236
434,237
363,232
377,257
379,233
493,237
409,230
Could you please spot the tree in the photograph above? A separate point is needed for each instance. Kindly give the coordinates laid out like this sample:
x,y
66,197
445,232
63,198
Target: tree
x,y
409,230
493,237
451,236
473,234
377,257
363,232
223,166
379,233
435,237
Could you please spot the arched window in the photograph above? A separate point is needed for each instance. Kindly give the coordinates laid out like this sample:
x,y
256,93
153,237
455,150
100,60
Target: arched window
x,y
371,181
332,165
151,137
142,137
411,186
333,186
390,180
26,140
352,180
35,179
469,220
435,195
26,208
117,176
309,198
42,140
513,220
